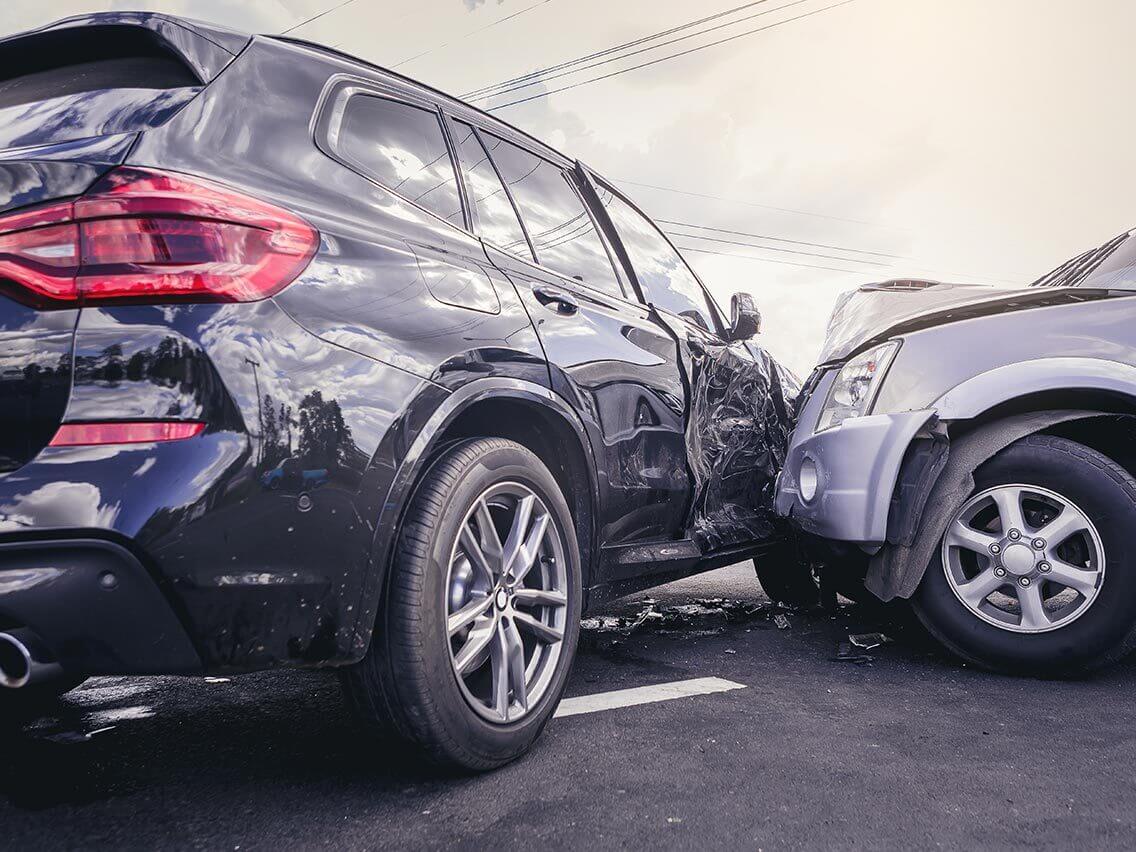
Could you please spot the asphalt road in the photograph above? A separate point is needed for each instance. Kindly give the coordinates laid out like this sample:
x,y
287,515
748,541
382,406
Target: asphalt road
x,y
909,750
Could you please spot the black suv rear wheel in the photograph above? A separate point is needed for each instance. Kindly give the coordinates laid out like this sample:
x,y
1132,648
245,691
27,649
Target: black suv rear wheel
x,y
1036,574
482,610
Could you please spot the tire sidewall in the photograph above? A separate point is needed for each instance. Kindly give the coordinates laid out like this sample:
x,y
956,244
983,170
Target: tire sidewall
x,y
1094,636
488,741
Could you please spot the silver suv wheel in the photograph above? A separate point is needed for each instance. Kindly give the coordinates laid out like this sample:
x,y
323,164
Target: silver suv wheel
x,y
1023,558
507,602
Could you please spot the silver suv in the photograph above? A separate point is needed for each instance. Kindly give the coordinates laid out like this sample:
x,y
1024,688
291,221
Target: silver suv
x,y
978,445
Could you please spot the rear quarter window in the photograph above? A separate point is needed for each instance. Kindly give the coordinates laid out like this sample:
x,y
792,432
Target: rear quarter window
x,y
403,148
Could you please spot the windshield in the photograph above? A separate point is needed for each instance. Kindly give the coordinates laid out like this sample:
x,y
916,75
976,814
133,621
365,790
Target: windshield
x,y
1108,267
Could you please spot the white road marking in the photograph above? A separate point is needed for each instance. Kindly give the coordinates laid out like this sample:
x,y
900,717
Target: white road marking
x,y
645,695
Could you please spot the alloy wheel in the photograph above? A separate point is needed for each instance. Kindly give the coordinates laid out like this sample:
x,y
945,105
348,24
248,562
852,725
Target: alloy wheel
x,y
1023,558
506,602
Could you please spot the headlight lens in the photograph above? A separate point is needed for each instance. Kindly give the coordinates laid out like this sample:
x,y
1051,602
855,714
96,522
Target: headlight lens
x,y
855,389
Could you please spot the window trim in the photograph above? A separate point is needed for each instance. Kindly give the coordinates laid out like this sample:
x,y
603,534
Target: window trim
x,y
595,181
566,173
471,204
327,121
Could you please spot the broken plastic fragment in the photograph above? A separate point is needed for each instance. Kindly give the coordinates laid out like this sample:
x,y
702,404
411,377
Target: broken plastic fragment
x,y
845,653
867,641
782,621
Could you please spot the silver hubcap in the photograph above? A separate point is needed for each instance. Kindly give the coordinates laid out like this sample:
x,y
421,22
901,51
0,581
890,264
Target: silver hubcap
x,y
506,602
1023,558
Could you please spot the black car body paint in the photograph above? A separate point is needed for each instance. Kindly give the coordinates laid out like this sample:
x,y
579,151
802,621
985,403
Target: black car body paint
x,y
263,541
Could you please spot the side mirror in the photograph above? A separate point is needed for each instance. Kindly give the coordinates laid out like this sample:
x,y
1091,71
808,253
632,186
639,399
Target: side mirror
x,y
745,318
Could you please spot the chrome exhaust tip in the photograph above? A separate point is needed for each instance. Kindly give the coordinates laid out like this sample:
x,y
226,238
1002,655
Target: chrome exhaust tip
x,y
25,660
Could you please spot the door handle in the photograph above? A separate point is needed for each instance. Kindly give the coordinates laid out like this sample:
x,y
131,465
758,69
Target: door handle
x,y
551,296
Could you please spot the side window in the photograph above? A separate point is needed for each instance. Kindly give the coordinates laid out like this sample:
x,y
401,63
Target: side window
x,y
559,225
403,148
496,219
663,275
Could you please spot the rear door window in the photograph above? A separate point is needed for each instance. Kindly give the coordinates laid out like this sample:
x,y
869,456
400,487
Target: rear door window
x,y
497,221
664,278
558,223
403,148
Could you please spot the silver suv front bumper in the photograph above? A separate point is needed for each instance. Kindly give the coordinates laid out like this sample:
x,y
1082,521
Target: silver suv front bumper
x,y
856,463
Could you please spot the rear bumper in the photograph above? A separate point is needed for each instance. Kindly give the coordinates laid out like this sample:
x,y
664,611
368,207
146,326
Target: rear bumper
x,y
857,465
95,606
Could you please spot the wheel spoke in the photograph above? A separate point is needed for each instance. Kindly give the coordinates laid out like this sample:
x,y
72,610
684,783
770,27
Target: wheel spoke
x,y
537,628
1078,579
979,589
516,658
539,597
1033,606
515,541
968,538
1068,523
499,663
490,541
477,556
1009,503
468,614
470,657
526,556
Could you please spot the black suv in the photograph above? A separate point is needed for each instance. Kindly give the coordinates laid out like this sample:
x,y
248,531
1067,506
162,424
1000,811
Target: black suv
x,y
303,363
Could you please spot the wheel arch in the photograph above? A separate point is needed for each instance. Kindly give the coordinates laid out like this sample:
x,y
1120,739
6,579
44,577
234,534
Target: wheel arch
x,y
492,407
1040,384
897,569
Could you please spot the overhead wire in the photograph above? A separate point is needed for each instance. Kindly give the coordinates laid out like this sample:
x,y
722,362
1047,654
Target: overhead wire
x,y
669,57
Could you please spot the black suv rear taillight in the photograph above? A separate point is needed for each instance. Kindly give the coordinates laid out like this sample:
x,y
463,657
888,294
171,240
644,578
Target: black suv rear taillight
x,y
144,236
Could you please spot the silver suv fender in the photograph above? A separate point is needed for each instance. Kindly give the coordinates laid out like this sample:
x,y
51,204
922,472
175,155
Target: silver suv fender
x,y
986,390
897,569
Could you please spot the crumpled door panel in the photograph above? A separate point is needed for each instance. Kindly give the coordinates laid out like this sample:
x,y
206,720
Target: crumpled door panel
x,y
737,434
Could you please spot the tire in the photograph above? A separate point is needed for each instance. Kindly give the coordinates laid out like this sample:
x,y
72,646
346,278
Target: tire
x,y
785,578
1098,625
408,683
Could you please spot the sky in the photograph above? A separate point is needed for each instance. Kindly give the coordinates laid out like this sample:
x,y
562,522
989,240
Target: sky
x,y
979,141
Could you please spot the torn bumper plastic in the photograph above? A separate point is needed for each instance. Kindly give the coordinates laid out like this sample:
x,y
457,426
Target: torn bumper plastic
x,y
839,483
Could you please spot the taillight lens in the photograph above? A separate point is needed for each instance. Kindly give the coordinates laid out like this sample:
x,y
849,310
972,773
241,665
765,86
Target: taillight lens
x,y
136,432
149,236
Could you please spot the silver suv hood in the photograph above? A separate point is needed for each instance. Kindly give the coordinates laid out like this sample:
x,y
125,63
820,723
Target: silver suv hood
x,y
875,312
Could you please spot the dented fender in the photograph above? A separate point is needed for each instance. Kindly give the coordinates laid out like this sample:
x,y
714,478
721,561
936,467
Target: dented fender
x,y
898,568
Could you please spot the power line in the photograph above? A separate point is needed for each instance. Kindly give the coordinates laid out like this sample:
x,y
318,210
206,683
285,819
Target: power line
x,y
681,53
473,32
781,262
610,50
778,239
317,17
781,250
756,204
620,58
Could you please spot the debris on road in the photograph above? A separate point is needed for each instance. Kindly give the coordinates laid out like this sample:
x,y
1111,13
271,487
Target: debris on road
x,y
868,641
702,617
846,653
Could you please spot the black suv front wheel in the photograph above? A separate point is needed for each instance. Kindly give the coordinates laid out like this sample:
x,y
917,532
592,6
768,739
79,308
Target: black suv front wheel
x,y
1036,573
482,610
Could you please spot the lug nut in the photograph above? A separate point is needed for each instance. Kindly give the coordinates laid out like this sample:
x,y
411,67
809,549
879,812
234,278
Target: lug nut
x,y
1044,567
995,549
1024,581
1015,535
999,571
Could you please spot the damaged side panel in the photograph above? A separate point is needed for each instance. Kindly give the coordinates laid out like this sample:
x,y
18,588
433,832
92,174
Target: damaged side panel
x,y
741,405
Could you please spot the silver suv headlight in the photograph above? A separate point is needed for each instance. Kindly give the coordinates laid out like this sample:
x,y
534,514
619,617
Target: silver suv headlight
x,y
856,387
